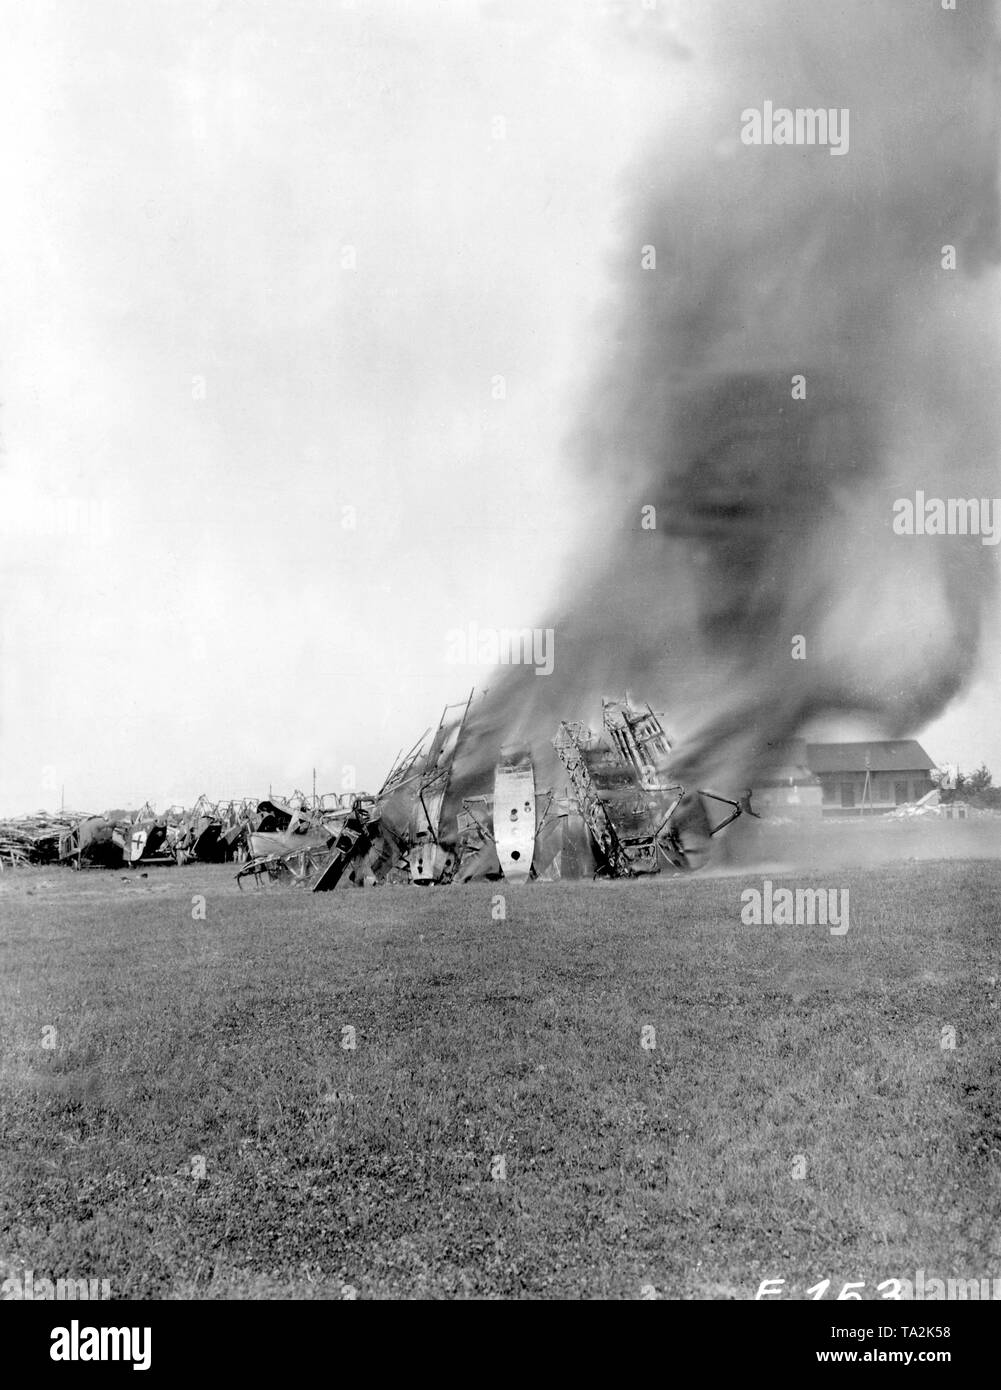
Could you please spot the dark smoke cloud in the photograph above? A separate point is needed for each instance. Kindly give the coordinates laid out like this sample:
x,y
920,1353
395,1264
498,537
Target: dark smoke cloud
x,y
774,515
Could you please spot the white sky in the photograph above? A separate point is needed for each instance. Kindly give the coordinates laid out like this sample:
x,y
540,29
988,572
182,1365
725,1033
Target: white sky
x,y
179,182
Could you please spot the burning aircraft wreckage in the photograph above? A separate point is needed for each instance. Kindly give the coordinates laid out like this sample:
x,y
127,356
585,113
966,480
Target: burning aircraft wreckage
x,y
619,815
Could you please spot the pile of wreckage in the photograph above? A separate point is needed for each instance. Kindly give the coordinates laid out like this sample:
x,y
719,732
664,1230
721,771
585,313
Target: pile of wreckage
x,y
208,832
617,815
34,839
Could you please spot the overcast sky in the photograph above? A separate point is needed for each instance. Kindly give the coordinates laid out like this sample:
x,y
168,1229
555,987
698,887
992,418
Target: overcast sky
x,y
245,488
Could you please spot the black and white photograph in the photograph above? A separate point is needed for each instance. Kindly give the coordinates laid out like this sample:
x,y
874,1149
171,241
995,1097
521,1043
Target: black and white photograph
x,y
500,643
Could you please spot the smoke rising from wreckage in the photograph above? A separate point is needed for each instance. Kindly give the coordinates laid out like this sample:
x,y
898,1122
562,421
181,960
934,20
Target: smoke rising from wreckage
x,y
797,359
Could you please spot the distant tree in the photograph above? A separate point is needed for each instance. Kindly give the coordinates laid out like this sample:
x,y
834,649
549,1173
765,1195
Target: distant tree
x,y
979,781
976,788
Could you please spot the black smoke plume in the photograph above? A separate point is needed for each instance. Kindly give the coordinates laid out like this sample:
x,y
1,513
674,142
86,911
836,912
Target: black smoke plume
x,y
774,514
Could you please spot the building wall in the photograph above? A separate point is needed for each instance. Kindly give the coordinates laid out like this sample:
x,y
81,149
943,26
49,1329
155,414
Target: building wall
x,y
843,792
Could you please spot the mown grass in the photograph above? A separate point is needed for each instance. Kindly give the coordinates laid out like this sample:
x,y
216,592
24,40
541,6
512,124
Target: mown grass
x,y
376,1170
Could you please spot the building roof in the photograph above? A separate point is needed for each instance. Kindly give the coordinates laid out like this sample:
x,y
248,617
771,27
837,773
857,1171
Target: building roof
x,y
897,755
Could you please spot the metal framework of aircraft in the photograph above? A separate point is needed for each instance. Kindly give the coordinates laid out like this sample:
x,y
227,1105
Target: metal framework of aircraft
x,y
412,801
640,819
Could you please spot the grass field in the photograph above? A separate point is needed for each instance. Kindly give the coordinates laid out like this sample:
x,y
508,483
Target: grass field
x,y
198,1125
